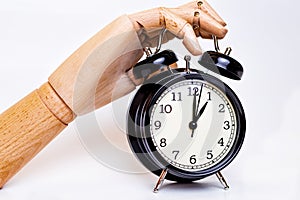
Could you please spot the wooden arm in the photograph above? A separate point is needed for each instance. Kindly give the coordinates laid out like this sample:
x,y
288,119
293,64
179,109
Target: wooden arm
x,y
28,126
91,77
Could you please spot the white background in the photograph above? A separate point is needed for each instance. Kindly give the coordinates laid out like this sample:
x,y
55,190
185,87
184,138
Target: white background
x,y
36,36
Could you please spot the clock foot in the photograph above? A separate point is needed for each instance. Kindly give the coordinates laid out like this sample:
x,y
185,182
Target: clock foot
x,y
160,180
222,180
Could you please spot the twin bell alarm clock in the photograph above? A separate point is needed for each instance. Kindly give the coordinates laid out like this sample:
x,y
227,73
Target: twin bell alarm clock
x,y
183,124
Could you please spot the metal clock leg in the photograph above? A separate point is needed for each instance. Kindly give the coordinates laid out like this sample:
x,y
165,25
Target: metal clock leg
x,y
160,180
222,180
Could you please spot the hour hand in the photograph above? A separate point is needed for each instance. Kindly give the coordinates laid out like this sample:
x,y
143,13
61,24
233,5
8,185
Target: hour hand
x,y
193,124
201,111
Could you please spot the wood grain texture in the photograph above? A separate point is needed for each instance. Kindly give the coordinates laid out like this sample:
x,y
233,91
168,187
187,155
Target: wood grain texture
x,y
55,104
91,77
86,80
26,128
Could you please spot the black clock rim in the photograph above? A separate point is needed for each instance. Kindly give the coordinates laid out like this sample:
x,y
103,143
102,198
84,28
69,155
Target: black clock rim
x,y
139,135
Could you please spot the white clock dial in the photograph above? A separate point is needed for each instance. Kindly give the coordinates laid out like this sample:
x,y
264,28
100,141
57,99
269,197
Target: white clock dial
x,y
193,125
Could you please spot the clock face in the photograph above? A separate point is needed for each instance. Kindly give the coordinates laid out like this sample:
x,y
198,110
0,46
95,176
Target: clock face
x,y
193,125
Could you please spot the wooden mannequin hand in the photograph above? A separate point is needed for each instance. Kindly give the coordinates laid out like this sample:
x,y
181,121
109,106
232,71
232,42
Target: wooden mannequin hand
x,y
186,22
95,75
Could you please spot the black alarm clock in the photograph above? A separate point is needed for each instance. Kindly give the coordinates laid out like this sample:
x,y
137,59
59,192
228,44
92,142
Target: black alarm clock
x,y
183,124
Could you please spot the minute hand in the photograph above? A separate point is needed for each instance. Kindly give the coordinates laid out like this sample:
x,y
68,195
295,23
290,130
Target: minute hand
x,y
201,112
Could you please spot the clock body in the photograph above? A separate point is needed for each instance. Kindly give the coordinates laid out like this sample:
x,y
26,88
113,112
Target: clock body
x,y
190,123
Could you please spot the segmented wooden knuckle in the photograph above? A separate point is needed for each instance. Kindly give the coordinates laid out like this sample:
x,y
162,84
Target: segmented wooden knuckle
x,y
162,17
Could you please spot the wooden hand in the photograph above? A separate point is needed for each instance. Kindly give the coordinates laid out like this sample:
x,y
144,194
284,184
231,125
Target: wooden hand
x,y
93,76
186,22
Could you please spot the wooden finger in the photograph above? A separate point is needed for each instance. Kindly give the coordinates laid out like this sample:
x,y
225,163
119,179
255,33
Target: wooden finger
x,y
207,7
207,22
211,26
182,29
172,22
185,11
190,40
198,31
196,25
205,35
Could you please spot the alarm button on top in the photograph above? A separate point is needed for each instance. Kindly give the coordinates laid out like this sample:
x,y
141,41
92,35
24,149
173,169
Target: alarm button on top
x,y
154,63
222,64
